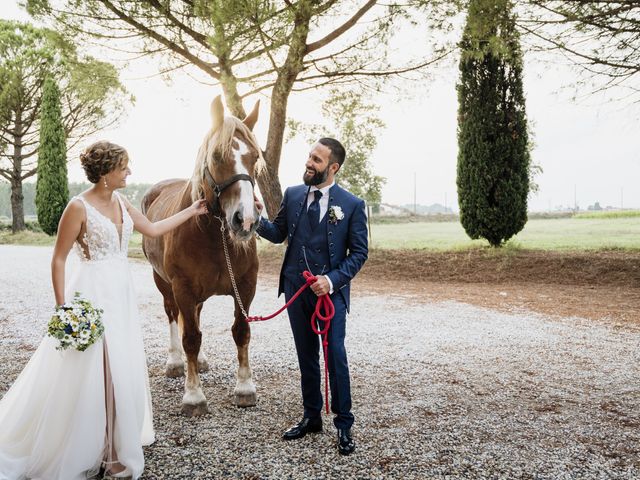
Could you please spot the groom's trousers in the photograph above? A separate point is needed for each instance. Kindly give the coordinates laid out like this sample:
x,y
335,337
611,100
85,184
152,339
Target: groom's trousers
x,y
309,350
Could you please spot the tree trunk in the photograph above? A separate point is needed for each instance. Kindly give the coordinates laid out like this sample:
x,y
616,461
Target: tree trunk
x,y
17,204
230,90
268,180
271,190
293,65
17,199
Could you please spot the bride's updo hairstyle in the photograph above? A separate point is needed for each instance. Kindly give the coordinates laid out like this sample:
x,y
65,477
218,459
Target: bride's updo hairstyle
x,y
102,158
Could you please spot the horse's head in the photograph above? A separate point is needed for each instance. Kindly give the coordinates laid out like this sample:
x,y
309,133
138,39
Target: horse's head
x,y
227,163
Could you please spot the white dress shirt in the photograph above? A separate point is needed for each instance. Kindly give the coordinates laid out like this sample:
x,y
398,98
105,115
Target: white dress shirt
x,y
324,206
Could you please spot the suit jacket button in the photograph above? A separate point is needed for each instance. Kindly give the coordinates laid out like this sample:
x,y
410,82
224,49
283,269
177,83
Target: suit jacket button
x,y
300,261
332,254
293,225
331,244
317,250
330,233
315,265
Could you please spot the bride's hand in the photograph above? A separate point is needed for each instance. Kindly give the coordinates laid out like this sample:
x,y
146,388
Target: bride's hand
x,y
199,207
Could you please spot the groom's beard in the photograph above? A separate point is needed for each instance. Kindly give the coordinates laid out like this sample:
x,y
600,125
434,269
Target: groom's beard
x,y
317,178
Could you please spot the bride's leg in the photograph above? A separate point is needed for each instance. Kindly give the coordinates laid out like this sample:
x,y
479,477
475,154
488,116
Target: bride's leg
x,y
110,456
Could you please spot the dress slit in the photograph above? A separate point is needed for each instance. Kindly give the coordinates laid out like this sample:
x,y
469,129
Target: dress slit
x,y
109,457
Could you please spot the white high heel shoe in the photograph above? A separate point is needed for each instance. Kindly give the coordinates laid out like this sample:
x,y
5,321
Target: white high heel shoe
x,y
126,473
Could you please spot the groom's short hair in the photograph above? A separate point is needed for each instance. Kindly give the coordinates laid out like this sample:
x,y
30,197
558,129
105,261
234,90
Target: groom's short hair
x,y
337,150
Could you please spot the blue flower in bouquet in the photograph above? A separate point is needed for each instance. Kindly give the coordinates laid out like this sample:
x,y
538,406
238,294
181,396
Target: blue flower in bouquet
x,y
76,325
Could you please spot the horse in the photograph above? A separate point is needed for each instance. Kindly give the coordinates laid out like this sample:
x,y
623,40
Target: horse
x,y
189,263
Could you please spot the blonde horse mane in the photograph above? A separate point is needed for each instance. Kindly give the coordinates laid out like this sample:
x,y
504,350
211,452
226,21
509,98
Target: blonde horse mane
x,y
216,148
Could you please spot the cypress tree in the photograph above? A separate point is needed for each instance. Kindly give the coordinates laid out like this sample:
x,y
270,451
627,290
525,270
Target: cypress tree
x,y
493,154
52,191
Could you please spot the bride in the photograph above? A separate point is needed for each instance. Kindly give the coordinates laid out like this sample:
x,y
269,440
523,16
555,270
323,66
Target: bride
x,y
69,413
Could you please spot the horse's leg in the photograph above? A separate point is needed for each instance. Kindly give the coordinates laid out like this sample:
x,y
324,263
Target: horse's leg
x,y
203,363
175,364
244,395
193,402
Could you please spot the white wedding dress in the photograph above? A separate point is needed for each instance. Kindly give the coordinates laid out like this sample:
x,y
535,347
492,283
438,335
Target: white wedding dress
x,y
70,411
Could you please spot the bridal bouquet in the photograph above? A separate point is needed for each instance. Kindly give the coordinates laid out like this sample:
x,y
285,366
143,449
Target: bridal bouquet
x,y
77,324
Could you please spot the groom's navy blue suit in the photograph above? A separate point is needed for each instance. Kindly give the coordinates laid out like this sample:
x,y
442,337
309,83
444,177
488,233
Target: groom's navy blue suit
x,y
337,249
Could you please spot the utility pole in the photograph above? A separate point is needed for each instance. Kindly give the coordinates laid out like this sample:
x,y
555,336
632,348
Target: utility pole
x,y
415,204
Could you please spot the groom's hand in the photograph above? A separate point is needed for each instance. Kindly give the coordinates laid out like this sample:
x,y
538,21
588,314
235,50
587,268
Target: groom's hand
x,y
320,286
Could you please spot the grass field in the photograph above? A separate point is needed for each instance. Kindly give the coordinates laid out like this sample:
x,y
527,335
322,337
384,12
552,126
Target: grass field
x,y
545,234
591,232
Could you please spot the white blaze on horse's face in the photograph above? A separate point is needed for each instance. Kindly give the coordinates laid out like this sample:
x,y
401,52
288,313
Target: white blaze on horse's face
x,y
243,213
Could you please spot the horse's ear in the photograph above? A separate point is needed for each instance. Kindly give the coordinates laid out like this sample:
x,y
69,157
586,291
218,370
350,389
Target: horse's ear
x,y
217,113
251,119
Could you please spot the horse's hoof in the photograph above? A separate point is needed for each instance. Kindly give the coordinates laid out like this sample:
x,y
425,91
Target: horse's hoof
x,y
244,399
196,410
203,366
174,371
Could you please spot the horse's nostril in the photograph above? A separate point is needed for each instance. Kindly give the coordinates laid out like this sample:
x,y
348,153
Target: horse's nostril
x,y
237,219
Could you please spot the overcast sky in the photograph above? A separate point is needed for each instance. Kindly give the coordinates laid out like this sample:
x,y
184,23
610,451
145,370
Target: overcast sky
x,y
590,148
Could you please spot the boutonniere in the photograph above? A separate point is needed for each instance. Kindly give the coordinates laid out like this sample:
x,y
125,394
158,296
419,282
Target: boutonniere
x,y
335,214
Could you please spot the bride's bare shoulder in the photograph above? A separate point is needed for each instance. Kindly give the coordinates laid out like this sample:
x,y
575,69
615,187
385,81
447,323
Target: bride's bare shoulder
x,y
75,209
75,205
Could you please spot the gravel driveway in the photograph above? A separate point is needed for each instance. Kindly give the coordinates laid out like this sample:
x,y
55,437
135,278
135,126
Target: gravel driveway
x,y
441,390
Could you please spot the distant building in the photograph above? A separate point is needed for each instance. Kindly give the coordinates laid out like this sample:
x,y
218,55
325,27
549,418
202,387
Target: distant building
x,y
387,210
432,209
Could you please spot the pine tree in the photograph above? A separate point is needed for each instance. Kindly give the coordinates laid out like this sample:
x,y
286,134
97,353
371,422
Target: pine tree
x,y
52,191
493,154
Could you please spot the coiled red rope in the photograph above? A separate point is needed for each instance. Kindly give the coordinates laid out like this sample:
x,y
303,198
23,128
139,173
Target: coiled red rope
x,y
324,312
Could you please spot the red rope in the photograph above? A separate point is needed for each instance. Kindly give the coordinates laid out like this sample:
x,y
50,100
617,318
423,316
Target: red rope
x,y
325,304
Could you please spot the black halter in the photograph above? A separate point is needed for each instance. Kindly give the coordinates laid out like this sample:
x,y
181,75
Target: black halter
x,y
214,206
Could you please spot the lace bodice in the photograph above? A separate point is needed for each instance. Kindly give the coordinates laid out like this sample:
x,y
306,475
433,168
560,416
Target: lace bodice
x,y
102,238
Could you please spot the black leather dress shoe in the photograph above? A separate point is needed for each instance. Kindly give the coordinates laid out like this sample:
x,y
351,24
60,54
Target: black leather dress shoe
x,y
306,425
346,444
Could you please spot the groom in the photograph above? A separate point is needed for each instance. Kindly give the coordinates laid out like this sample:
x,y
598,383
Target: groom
x,y
326,227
